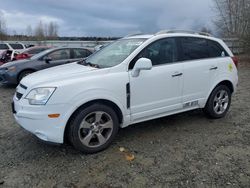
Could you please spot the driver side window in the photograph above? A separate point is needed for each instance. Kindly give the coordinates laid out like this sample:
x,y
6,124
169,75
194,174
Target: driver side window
x,y
163,51
59,55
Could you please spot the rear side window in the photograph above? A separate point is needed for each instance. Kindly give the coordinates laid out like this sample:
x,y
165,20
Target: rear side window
x,y
216,50
194,48
81,53
60,54
16,46
3,47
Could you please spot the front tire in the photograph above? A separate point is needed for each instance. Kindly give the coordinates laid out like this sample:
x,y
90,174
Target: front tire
x,y
93,128
219,102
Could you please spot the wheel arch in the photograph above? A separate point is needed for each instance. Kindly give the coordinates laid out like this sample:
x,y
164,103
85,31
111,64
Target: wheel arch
x,y
28,69
109,103
227,83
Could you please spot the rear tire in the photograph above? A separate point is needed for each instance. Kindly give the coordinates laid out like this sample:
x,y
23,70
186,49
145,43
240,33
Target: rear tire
x,y
23,74
93,128
218,103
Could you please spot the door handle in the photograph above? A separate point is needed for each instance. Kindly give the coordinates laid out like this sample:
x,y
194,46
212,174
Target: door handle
x,y
177,74
213,68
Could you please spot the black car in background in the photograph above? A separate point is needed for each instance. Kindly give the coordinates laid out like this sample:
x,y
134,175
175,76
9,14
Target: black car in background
x,y
13,72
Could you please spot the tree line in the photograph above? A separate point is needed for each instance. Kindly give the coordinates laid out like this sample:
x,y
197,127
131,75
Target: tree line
x,y
41,31
233,20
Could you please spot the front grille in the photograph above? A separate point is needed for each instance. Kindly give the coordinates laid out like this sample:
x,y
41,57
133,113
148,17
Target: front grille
x,y
19,95
20,91
23,86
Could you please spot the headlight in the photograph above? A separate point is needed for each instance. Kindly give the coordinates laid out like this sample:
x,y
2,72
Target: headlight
x,y
11,69
3,69
40,96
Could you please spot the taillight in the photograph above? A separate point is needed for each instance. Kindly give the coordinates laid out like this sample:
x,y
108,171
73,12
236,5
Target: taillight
x,y
235,60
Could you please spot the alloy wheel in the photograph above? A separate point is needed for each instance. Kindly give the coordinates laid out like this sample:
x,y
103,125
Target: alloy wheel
x,y
221,101
95,129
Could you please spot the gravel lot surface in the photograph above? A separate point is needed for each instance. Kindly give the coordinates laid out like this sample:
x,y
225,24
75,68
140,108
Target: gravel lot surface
x,y
184,150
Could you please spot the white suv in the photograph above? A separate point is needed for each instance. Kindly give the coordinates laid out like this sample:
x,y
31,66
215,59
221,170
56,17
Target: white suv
x,y
17,46
134,79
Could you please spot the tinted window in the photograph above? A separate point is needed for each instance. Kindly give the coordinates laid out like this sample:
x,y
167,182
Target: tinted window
x,y
59,55
194,48
36,50
81,53
215,49
16,46
3,47
160,52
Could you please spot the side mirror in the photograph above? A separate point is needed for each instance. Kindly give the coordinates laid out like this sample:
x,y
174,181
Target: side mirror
x,y
47,59
141,64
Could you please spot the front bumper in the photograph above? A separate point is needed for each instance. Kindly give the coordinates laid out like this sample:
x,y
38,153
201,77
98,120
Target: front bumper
x,y
35,120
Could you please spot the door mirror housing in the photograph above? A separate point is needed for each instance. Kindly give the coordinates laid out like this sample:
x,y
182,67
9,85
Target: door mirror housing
x,y
47,59
141,64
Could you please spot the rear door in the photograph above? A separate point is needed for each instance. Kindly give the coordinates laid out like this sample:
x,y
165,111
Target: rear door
x,y
199,68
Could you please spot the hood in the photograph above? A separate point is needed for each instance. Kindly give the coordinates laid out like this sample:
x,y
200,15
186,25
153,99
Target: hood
x,y
14,63
58,73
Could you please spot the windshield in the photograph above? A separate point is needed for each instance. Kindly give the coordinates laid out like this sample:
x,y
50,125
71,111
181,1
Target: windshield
x,y
114,53
40,54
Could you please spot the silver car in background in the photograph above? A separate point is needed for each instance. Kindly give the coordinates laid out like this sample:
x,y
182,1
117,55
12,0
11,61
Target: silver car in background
x,y
13,72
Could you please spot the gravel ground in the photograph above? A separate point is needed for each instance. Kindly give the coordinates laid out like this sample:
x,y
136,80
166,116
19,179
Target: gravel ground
x,y
184,150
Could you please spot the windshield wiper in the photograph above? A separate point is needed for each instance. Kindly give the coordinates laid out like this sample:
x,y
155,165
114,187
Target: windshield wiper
x,y
83,62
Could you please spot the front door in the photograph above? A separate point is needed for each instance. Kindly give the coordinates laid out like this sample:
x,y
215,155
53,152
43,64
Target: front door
x,y
157,91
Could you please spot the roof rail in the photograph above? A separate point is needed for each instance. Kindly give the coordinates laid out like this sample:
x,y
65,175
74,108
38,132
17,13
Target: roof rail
x,y
131,35
183,31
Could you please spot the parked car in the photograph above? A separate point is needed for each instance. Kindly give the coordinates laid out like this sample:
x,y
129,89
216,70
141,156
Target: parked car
x,y
100,46
134,79
7,56
18,46
4,46
13,72
29,52
11,46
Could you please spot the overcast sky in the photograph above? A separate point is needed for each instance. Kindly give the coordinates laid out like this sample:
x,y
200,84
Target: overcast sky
x,y
108,18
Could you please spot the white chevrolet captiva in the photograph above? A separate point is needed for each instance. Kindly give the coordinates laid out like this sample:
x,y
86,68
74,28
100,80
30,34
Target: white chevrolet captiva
x,y
134,79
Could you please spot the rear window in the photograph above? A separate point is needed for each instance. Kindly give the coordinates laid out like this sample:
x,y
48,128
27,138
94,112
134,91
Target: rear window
x,y
3,47
215,49
16,46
